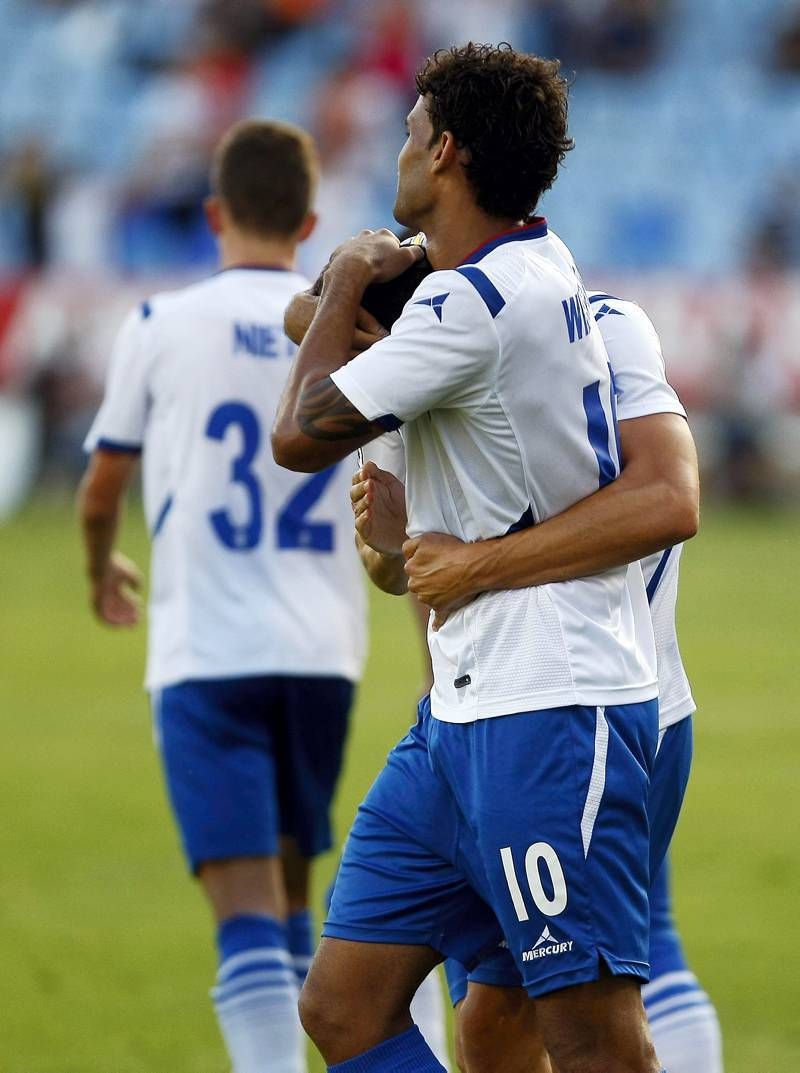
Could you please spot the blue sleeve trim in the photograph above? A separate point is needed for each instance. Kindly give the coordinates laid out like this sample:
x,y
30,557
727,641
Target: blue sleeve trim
x,y
166,507
119,446
658,573
600,297
147,309
388,422
485,288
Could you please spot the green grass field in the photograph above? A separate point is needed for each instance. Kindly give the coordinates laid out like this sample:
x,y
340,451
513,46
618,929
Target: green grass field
x,y
107,954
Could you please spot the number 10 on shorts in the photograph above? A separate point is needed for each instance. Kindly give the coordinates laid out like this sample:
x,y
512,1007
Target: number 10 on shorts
x,y
540,853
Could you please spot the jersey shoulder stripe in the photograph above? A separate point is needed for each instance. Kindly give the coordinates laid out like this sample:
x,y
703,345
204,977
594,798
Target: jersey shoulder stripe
x,y
600,297
492,298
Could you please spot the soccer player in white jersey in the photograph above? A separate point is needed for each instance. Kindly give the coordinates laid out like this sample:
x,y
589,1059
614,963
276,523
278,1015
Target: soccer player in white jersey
x,y
495,1026
257,617
542,725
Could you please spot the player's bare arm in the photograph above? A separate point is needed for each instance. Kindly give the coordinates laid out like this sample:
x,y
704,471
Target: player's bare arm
x,y
300,313
651,506
316,425
379,506
114,580
378,501
387,572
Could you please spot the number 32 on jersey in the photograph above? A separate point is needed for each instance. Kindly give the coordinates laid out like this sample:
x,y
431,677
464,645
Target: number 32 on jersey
x,y
293,529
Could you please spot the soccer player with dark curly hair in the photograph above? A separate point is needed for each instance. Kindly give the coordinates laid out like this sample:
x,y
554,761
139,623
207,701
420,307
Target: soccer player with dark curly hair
x,y
514,814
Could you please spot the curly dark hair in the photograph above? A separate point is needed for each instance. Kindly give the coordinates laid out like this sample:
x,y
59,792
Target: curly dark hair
x,y
509,110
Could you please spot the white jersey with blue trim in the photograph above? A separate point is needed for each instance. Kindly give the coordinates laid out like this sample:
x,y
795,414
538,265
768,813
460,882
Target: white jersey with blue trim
x,y
500,382
642,389
253,567
640,379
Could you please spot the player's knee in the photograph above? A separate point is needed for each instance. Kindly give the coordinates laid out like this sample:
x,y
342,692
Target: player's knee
x,y
588,1052
479,1046
323,1014
496,1030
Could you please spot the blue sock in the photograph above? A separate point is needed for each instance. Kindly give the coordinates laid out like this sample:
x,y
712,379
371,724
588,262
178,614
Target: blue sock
x,y
408,1053
300,936
256,995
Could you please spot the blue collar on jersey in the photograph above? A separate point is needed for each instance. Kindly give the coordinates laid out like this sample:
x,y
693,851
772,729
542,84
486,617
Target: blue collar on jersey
x,y
537,228
253,268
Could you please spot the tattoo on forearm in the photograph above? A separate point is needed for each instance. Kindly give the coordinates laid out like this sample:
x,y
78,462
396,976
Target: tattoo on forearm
x,y
324,413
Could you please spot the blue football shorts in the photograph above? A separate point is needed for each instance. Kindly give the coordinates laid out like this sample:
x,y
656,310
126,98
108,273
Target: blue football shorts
x,y
668,786
530,830
247,760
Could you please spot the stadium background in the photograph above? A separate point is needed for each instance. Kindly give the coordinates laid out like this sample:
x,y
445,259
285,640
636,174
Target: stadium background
x,y
683,193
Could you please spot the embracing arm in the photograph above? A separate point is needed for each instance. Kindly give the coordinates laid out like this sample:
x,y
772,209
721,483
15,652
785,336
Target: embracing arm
x,y
316,424
300,313
386,571
651,506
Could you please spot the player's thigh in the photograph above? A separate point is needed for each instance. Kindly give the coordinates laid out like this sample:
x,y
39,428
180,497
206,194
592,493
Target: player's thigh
x,y
671,770
404,875
565,844
219,766
310,731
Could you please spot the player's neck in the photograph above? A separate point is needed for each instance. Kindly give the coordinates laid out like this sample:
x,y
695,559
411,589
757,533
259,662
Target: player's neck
x,y
459,230
251,251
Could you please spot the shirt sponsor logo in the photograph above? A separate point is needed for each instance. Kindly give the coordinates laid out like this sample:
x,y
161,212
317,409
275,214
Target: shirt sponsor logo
x,y
547,945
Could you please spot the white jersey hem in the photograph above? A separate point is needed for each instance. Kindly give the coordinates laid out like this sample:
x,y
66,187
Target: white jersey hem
x,y
191,673
566,698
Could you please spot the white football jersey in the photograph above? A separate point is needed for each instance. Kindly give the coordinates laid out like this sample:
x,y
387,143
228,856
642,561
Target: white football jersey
x,y
501,383
253,567
634,352
641,385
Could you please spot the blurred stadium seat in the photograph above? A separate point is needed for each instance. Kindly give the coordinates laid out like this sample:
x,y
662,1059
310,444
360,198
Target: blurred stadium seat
x,y
686,120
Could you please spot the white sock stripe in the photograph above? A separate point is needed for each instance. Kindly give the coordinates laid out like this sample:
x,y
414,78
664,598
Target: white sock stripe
x,y
302,961
258,997
658,1009
597,782
669,979
676,1022
260,953
272,977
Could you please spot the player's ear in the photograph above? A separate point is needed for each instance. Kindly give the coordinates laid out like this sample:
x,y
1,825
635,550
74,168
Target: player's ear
x,y
446,151
307,226
213,212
